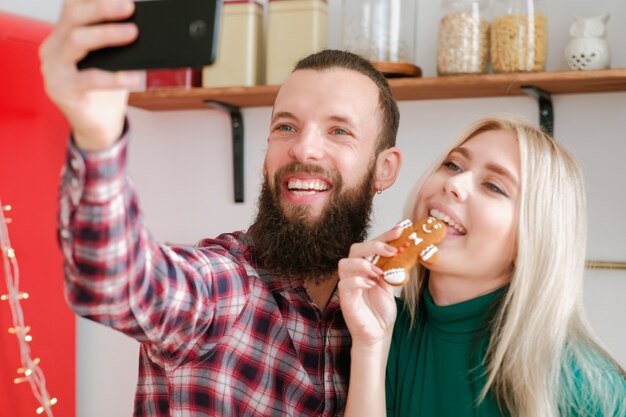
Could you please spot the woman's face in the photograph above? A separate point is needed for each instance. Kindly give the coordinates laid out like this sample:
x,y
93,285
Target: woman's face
x,y
476,192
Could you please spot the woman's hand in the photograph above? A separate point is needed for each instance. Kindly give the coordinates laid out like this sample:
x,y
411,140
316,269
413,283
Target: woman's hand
x,y
369,309
367,301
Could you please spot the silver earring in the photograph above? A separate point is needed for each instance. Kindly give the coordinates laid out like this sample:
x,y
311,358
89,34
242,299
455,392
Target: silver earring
x,y
380,190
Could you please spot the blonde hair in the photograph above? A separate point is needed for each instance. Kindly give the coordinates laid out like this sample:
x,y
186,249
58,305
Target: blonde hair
x,y
543,358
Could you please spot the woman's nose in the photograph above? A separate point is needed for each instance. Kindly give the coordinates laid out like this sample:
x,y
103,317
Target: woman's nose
x,y
459,186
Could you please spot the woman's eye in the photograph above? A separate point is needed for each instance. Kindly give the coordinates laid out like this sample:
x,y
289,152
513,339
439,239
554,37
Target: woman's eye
x,y
452,166
492,187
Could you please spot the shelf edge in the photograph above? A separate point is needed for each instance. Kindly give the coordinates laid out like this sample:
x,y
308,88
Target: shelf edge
x,y
427,88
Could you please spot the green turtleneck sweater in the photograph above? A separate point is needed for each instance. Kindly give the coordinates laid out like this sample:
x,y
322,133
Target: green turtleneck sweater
x,y
436,369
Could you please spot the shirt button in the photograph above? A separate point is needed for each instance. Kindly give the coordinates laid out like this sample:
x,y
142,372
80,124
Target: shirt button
x,y
74,182
74,164
65,234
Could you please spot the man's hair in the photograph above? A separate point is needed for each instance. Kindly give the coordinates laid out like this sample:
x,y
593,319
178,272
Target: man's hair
x,y
330,58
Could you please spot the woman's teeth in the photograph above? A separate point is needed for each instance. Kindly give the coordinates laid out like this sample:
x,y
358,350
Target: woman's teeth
x,y
445,218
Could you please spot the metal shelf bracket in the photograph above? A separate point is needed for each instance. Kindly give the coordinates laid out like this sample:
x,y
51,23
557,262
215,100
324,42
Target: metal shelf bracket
x,y
236,121
546,112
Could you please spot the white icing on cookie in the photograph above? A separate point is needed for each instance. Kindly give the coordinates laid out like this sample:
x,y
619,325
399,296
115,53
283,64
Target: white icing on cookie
x,y
405,224
428,252
416,240
395,276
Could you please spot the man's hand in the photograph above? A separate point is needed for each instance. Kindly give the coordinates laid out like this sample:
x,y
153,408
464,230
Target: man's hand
x,y
93,101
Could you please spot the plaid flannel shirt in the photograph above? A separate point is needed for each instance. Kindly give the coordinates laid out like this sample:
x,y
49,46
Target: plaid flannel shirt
x,y
218,335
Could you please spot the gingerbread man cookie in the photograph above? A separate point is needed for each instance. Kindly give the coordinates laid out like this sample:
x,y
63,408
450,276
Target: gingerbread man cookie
x,y
416,243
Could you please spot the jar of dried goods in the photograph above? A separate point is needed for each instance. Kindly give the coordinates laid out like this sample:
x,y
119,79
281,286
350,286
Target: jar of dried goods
x,y
463,41
295,29
519,36
382,31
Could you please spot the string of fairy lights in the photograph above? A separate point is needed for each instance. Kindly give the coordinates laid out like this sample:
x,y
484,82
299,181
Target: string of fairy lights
x,y
29,371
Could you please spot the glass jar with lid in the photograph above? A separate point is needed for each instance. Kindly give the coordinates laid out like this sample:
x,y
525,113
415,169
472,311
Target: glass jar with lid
x,y
463,40
382,31
519,36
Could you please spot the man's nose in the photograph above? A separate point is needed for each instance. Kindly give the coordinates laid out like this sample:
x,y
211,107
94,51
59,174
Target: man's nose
x,y
308,146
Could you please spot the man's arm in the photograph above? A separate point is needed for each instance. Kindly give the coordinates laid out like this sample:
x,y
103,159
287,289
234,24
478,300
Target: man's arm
x,y
93,101
118,275
115,272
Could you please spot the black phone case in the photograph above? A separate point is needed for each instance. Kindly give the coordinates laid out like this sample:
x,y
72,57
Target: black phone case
x,y
172,34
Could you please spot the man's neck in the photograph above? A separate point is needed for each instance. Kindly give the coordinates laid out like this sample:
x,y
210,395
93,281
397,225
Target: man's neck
x,y
321,293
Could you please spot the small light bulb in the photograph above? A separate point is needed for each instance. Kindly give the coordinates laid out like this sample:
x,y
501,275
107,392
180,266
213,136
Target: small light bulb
x,y
7,207
28,338
15,295
11,253
41,409
20,380
17,329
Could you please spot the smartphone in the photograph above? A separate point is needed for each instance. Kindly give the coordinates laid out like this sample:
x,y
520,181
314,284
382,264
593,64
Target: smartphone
x,y
172,34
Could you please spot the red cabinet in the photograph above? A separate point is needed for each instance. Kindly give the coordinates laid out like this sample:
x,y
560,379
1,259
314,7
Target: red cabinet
x,y
32,148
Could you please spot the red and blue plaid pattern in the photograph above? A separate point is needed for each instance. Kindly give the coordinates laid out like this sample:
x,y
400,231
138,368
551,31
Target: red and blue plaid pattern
x,y
219,335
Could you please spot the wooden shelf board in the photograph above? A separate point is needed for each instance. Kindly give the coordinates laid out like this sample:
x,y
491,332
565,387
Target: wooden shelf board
x,y
429,88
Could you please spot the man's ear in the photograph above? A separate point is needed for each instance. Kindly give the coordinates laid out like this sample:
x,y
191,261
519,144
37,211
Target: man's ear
x,y
387,168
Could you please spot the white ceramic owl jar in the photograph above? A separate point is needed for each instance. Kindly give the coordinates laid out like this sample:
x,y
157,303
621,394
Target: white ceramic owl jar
x,y
588,48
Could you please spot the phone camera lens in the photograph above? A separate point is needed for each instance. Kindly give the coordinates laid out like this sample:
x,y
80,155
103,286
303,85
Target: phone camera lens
x,y
197,29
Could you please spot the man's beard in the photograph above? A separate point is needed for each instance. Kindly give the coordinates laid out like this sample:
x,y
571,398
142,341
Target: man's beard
x,y
296,245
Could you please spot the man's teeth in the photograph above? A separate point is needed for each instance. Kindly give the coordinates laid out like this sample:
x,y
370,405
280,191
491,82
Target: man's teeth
x,y
302,187
445,218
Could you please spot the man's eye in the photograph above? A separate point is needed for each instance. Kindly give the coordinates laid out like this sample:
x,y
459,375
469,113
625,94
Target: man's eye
x,y
339,131
285,128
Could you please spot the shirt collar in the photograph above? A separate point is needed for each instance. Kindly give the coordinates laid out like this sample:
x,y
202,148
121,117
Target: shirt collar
x,y
278,283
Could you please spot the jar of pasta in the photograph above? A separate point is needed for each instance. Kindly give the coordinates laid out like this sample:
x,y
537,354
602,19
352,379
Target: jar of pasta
x,y
519,36
463,40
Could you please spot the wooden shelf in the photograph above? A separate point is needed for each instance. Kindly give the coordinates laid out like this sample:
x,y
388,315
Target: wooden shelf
x,y
541,85
429,88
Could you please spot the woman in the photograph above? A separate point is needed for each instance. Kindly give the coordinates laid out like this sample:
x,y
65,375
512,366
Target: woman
x,y
496,326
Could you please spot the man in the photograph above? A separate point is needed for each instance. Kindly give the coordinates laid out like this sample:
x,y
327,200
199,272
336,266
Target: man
x,y
247,323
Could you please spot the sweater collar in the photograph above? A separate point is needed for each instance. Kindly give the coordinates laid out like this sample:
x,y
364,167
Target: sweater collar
x,y
461,321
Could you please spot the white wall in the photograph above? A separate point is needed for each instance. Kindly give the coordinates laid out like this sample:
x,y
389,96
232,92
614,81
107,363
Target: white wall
x,y
47,10
181,164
